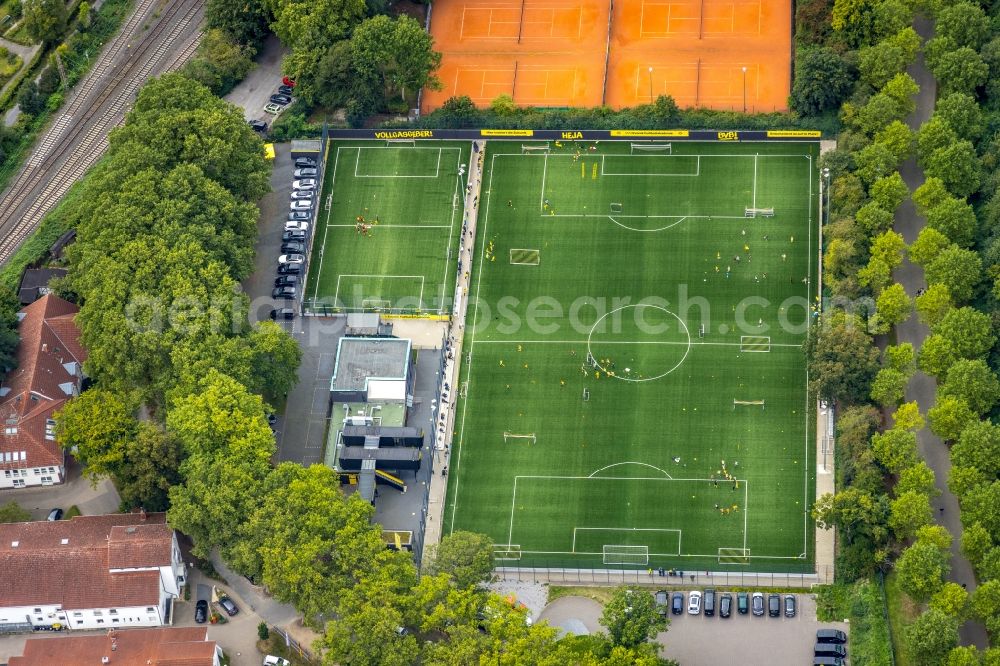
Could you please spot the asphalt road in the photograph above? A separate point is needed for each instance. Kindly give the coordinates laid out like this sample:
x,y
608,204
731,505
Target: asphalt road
x,y
922,387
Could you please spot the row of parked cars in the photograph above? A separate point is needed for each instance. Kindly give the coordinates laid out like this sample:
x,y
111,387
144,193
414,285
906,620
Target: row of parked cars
x,y
829,649
295,237
699,602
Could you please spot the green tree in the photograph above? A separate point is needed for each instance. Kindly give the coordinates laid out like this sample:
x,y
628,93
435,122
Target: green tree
x,y
957,165
399,51
974,382
896,449
949,417
934,303
822,81
11,512
465,557
631,618
986,604
951,599
936,356
969,331
917,478
933,135
955,219
921,569
854,20
892,307
963,656
889,192
932,636
978,447
976,542
275,360
933,191
97,427
855,512
957,269
961,70
149,469
44,20
872,217
962,113
875,160
889,386
964,23
898,138
220,62
243,21
907,417
909,512
901,357
842,361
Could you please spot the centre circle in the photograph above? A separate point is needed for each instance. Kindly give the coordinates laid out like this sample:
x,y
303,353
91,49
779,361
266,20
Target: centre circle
x,y
638,343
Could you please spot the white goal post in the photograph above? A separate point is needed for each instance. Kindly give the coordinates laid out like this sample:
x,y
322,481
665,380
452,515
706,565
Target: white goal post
x,y
762,212
534,148
665,148
753,403
618,554
527,437
401,142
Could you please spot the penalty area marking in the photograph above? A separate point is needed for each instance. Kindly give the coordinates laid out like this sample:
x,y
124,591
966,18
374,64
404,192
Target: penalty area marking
x,y
629,462
625,226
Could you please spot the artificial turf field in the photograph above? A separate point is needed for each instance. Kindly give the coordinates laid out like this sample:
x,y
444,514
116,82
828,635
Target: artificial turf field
x,y
410,198
612,328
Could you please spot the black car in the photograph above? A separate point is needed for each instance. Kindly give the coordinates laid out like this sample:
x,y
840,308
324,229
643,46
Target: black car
x,y
294,235
742,603
228,606
677,603
709,600
55,514
201,611
773,605
661,602
282,313
289,269
287,293
305,162
286,280
830,636
294,247
257,125
299,216
830,650
280,99
789,605
828,661
726,605
757,603
285,90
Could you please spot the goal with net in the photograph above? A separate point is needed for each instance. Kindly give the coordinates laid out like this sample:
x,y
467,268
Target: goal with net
x,y
507,551
758,212
401,142
616,207
662,148
527,438
534,148
617,554
752,403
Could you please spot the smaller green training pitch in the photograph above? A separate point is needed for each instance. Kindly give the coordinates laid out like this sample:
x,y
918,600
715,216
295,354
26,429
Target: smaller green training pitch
x,y
390,220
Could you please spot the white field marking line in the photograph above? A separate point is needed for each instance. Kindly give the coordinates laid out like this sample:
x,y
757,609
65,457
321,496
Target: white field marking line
x,y
394,226
545,168
629,462
697,169
451,227
615,478
472,345
640,156
322,254
746,508
664,228
698,555
650,217
805,459
628,529
626,342
754,181
437,171
336,293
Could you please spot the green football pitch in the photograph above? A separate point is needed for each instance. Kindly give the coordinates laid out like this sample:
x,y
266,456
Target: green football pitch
x,y
633,391
390,219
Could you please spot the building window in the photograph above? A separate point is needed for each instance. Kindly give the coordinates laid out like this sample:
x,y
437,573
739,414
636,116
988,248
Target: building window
x,y
77,614
151,609
115,620
98,613
100,622
50,430
38,610
10,430
79,621
112,612
6,473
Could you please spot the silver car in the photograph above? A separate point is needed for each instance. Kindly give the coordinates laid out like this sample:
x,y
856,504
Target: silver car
x,y
304,184
301,204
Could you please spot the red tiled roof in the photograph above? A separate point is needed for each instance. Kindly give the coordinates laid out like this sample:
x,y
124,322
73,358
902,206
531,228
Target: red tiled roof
x,y
164,646
77,572
38,386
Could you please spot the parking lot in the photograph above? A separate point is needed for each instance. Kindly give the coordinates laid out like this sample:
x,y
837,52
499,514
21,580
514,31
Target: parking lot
x,y
696,640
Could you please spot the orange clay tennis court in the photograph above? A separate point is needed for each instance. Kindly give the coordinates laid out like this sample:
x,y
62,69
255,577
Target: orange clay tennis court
x,y
557,53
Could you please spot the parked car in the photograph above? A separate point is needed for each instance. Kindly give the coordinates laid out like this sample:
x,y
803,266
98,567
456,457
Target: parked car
x,y
282,313
287,293
257,125
293,235
271,660
661,602
291,259
304,184
726,605
305,172
281,100
295,247
694,602
757,603
828,661
830,636
289,269
305,162
273,109
201,611
296,225
709,598
228,606
299,215
773,605
677,603
789,605
55,514
285,90
302,194
302,204
830,650
742,603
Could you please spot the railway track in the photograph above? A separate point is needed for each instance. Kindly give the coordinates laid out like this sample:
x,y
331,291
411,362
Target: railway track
x,y
79,135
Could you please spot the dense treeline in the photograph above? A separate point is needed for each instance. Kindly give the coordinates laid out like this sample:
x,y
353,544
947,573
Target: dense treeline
x,y
957,251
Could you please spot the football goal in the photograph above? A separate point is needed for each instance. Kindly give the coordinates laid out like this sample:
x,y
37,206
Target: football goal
x,y
662,148
617,554
758,212
616,207
534,148
744,403
524,257
507,551
401,142
528,438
